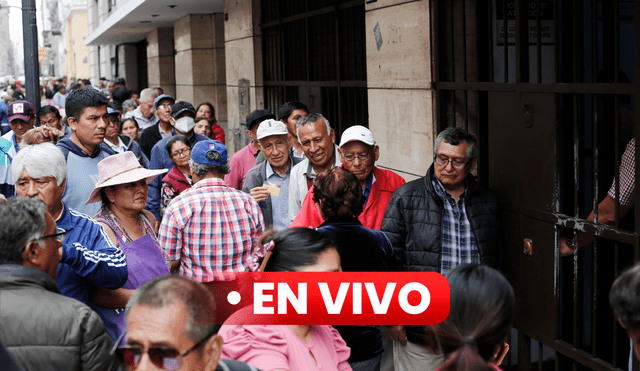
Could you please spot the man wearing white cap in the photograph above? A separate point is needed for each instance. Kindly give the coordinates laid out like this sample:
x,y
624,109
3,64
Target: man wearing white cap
x,y
268,182
358,153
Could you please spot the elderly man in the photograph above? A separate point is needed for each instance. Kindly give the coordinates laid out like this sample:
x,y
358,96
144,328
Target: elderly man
x,y
186,338
161,129
42,329
243,160
21,119
144,113
625,302
318,143
268,182
211,229
436,223
88,256
358,153
88,119
115,143
183,122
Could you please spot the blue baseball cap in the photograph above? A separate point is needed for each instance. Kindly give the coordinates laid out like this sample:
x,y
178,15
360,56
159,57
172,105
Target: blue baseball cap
x,y
111,111
200,150
161,97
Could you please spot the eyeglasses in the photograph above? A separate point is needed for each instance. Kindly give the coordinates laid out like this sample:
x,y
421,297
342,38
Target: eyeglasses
x,y
180,153
165,106
444,161
364,156
114,120
166,358
60,236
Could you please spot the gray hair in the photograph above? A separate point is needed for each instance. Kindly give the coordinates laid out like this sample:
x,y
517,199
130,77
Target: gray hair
x,y
454,136
201,170
311,118
165,291
40,160
128,104
21,221
147,94
624,298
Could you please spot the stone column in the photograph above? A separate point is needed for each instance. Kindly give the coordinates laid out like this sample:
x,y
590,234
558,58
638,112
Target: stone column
x,y
399,81
243,46
160,60
128,65
200,62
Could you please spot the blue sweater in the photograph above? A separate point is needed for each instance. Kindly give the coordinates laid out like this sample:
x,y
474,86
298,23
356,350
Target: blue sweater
x,y
82,176
88,257
361,250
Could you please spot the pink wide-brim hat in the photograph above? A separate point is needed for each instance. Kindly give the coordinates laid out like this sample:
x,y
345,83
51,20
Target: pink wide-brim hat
x,y
122,168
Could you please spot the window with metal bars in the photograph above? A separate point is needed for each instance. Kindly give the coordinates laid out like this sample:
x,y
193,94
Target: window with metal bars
x,y
314,52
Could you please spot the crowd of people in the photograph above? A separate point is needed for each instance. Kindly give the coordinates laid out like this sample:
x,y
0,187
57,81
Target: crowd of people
x,y
119,206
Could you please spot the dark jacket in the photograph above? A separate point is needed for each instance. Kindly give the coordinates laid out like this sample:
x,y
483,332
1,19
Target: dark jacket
x,y
149,137
361,250
413,223
130,145
256,178
44,330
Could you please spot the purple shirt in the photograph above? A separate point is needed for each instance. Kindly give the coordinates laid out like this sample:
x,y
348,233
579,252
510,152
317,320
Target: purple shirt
x,y
241,162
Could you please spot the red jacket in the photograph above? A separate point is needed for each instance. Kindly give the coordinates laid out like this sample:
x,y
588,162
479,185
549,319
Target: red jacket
x,y
386,183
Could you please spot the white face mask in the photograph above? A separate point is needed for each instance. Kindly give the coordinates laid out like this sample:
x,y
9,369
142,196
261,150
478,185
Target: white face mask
x,y
185,124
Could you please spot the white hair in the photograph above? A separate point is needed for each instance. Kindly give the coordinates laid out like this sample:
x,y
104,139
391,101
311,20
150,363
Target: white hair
x,y
147,94
40,160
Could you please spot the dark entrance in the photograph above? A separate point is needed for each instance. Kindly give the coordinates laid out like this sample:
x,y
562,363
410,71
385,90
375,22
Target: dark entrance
x,y
314,52
549,88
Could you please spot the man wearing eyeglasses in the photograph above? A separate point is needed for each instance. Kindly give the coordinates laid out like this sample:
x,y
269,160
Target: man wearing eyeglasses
x,y
171,326
42,329
163,105
436,223
358,153
88,257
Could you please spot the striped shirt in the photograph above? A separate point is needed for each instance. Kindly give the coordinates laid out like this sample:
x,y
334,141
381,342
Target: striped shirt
x,y
212,229
458,242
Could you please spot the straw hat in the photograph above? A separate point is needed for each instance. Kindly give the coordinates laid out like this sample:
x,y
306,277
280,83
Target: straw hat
x,y
120,169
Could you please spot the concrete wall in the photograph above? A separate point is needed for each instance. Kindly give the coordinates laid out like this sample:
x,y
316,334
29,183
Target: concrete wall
x,y
243,48
160,62
128,65
399,81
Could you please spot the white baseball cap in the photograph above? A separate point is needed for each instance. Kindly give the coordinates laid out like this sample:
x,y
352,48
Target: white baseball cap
x,y
357,132
271,127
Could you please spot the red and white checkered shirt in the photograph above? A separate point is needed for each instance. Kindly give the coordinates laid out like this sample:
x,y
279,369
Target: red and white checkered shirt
x,y
627,176
212,229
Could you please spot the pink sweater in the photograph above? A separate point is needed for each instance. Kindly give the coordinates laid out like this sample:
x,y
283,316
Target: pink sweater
x,y
275,347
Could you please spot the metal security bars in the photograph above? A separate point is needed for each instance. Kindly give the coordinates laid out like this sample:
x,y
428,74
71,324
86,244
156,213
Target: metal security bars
x,y
314,52
548,86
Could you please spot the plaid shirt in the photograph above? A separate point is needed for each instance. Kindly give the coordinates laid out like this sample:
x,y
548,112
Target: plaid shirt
x,y
627,176
212,229
458,242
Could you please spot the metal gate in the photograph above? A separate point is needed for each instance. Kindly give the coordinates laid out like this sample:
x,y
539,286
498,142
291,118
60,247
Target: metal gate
x,y
549,89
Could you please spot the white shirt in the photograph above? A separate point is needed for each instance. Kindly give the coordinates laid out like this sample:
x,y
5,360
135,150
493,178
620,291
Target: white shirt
x,y
298,183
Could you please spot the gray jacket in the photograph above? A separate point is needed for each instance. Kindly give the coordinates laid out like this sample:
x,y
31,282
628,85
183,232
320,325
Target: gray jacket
x,y
256,178
44,330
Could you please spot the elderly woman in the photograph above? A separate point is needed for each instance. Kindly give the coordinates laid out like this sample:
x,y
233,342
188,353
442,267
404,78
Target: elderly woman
x,y
123,191
339,197
179,178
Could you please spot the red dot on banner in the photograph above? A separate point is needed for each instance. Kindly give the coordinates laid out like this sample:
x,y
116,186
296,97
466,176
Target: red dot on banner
x,y
414,298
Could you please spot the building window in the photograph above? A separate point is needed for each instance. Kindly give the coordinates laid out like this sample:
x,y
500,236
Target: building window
x,y
314,52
